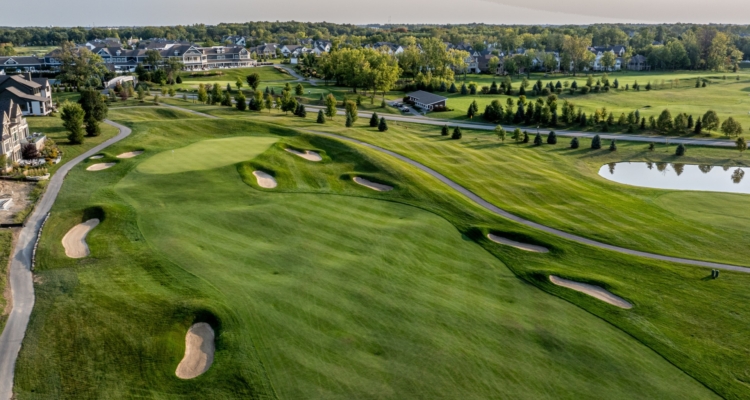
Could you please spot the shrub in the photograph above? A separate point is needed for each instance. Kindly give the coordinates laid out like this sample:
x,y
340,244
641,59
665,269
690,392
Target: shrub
x,y
525,137
612,145
444,130
382,126
538,139
552,138
680,150
456,133
374,120
585,90
321,117
596,143
574,143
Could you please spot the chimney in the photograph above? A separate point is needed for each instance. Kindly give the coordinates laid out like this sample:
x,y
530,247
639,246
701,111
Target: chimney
x,y
29,76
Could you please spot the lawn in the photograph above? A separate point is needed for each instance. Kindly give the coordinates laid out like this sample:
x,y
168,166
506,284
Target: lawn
x,y
39,51
728,97
6,240
267,74
324,289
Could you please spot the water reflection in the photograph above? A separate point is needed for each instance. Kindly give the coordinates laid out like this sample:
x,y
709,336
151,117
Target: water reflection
x,y
678,176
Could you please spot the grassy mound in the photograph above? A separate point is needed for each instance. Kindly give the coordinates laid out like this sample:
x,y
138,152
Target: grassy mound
x,y
320,290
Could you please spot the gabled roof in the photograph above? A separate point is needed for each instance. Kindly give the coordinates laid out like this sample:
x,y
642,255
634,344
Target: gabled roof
x,y
426,97
16,60
25,96
20,80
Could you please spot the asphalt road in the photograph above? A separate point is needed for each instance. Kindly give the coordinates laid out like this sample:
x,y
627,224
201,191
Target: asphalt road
x,y
21,278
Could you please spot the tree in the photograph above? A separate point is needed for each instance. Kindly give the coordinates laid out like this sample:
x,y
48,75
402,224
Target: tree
x,y
95,110
238,83
596,143
710,120
456,133
612,145
608,61
330,106
202,94
321,117
241,101
517,135
349,121
577,49
464,89
680,150
664,123
574,143
444,130
731,127
153,58
374,120
226,99
351,109
229,88
499,132
552,138
28,151
72,115
268,102
299,90
253,80
698,127
382,126
741,144
80,66
538,139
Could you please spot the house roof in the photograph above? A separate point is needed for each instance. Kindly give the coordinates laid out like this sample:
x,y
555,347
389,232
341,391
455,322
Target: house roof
x,y
426,97
21,80
25,96
28,60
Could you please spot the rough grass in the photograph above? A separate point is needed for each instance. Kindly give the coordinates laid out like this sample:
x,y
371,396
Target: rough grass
x,y
6,240
319,290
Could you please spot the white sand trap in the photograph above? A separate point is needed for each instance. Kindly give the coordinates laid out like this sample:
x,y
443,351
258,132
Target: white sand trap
x,y
199,351
592,290
130,154
100,166
307,155
264,180
372,185
74,241
96,157
518,245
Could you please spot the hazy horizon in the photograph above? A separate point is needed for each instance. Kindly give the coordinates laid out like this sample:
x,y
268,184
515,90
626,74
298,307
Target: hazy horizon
x,y
509,12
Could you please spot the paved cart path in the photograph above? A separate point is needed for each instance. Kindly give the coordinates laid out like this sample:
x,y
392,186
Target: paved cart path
x,y
21,278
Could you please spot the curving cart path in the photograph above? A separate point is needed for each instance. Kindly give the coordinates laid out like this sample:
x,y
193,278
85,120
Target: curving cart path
x,y
21,279
497,210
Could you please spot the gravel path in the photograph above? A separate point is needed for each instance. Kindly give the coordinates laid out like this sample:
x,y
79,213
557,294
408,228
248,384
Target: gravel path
x,y
21,279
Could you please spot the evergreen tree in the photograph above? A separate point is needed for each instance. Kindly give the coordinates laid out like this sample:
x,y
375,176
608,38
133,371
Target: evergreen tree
x,y
302,113
493,88
299,90
690,122
553,121
241,101
443,87
229,88
574,143
321,117
698,127
179,79
374,120
470,112
596,143
456,133
612,145
92,127
444,130
584,122
552,138
538,139
525,137
520,114
464,90
643,123
72,115
226,100
680,150
452,89
382,126
349,121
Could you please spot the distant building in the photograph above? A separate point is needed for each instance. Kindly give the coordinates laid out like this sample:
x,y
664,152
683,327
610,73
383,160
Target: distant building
x,y
33,96
427,100
234,40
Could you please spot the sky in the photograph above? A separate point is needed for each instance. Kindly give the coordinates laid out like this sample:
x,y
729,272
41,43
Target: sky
x,y
556,12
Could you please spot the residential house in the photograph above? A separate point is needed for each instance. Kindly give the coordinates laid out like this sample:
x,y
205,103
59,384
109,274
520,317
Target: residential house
x,y
108,42
638,63
266,49
324,45
389,47
13,129
426,100
234,40
292,50
33,96
618,49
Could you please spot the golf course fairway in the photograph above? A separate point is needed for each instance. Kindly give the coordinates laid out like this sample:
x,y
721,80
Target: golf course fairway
x,y
319,289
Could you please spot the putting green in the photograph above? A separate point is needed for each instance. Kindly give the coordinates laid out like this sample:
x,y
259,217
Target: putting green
x,y
207,154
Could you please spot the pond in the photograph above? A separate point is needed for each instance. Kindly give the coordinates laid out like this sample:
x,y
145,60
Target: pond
x,y
676,176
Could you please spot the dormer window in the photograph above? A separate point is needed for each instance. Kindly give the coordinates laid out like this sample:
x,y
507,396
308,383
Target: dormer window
x,y
118,52
176,53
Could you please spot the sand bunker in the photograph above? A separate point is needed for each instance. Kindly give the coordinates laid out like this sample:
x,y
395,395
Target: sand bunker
x,y
591,290
100,166
130,154
307,155
518,245
265,180
74,241
372,185
199,351
96,157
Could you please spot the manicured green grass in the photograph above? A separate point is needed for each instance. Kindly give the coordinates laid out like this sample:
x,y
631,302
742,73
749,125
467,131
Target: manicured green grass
x,y
267,74
6,240
320,290
40,51
52,127
727,97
